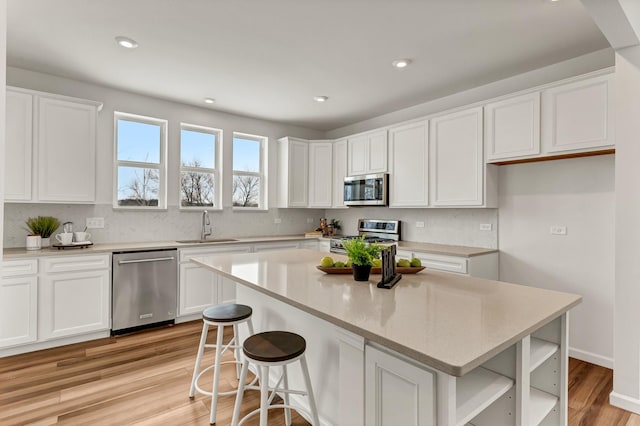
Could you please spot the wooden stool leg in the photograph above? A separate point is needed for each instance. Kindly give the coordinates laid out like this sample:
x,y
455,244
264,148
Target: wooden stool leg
x,y
216,374
307,383
236,408
285,383
196,369
264,395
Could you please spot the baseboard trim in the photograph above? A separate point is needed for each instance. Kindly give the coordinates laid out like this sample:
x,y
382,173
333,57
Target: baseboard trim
x,y
625,402
592,358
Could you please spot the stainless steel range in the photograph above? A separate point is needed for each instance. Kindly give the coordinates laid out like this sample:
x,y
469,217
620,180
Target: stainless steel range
x,y
375,230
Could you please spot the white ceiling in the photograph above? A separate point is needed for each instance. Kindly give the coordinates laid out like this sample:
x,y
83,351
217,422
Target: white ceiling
x,y
268,58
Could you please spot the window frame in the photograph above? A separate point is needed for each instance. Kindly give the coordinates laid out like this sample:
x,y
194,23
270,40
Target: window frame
x,y
262,174
216,171
161,166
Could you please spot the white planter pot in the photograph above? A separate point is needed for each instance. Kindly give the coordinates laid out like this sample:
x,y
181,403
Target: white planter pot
x,y
34,242
46,242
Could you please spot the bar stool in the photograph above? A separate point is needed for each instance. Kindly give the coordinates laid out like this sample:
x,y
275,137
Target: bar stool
x,y
271,349
220,316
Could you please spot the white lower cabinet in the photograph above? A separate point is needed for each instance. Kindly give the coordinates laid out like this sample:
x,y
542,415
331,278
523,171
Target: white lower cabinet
x,y
200,288
18,303
74,296
397,392
480,266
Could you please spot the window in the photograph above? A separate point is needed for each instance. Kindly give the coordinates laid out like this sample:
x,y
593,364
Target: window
x,y
199,166
249,165
140,166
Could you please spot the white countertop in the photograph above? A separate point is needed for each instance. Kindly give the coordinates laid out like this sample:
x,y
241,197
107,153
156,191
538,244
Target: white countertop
x,y
21,252
447,321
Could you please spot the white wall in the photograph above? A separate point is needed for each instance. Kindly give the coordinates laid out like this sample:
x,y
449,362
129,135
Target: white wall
x,y
3,60
626,377
577,193
441,226
173,223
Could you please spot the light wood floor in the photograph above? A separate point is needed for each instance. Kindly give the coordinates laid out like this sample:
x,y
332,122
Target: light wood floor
x,y
144,379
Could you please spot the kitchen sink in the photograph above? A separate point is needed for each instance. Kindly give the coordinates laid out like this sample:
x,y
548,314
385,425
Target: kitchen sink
x,y
212,240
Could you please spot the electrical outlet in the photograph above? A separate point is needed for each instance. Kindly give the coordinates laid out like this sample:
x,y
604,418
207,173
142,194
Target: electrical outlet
x,y
95,222
277,220
558,230
309,220
419,224
485,227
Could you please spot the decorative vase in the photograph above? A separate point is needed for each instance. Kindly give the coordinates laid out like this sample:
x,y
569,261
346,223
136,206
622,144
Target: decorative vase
x,y
34,242
46,242
361,272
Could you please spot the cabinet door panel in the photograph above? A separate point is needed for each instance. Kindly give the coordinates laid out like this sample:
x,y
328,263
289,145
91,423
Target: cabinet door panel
x,y
409,160
320,174
456,159
74,303
226,290
357,155
339,172
578,115
19,142
298,174
18,310
397,392
198,289
377,152
66,151
513,127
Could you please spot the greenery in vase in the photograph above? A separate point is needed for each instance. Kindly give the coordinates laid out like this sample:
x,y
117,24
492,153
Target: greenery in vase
x,y
44,226
336,224
361,253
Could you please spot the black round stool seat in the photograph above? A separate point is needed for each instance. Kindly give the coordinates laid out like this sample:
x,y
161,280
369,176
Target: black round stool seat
x,y
274,346
229,312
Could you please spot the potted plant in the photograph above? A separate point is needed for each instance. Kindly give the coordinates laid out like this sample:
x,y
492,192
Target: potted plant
x,y
361,255
44,226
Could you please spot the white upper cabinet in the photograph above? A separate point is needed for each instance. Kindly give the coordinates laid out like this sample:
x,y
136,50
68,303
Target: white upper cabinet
x,y
19,143
66,151
339,172
456,159
512,127
409,165
51,148
320,173
367,153
578,116
293,172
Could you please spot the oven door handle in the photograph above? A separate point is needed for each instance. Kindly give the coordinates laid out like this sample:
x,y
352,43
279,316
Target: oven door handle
x,y
155,259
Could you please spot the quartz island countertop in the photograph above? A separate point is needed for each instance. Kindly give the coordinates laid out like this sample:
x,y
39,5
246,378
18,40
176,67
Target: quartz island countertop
x,y
447,321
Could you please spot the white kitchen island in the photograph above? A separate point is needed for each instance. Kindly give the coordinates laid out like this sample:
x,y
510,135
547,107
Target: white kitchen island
x,y
438,348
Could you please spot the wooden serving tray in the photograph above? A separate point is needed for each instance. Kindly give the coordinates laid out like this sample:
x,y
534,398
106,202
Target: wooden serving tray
x,y
72,245
375,270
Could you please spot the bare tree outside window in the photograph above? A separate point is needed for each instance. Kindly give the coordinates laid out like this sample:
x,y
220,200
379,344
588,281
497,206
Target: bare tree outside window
x,y
197,189
246,191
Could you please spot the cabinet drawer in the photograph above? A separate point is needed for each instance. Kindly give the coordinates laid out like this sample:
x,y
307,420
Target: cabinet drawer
x,y
187,254
276,246
17,268
443,263
75,263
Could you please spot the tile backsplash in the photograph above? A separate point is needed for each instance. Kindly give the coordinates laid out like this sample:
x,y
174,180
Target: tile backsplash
x,y
167,225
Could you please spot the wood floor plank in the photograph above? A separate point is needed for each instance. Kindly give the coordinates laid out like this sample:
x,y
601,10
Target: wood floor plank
x,y
144,379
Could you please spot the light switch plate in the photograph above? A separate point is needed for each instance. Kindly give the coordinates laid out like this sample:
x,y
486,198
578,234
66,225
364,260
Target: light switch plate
x,y
419,224
558,230
485,227
95,222
277,220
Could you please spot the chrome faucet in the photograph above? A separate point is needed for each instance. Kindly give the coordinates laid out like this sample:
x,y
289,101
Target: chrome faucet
x,y
205,222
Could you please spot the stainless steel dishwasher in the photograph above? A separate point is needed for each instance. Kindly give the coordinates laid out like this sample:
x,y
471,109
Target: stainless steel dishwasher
x,y
144,289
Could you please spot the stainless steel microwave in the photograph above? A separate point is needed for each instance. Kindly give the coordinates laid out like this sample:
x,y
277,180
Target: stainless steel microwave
x,y
366,190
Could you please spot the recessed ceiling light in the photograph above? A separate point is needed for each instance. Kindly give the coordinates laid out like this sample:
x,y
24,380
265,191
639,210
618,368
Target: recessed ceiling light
x,y
209,100
401,63
321,98
126,42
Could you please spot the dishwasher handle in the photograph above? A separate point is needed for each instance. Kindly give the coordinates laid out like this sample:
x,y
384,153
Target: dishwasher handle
x,y
155,259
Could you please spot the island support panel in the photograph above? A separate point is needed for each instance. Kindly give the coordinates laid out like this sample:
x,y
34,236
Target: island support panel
x,y
525,385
